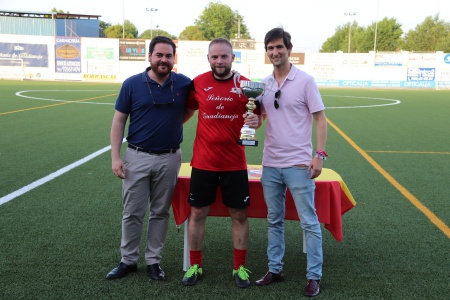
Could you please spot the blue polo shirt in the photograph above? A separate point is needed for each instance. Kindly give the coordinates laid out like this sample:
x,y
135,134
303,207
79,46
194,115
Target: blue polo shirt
x,y
155,111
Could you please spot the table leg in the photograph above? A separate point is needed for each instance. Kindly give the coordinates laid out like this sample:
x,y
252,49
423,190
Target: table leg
x,y
186,263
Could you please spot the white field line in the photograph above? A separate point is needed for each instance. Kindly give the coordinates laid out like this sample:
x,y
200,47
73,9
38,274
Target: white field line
x,y
52,176
58,173
21,94
390,102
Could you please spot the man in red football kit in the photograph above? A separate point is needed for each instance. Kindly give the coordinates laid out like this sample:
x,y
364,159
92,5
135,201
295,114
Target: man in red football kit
x,y
218,160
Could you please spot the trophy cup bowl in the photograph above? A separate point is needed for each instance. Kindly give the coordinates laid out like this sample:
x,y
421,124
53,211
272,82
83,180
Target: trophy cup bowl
x,y
251,90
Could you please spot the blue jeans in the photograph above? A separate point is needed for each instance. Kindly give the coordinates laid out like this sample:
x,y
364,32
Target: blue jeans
x,y
275,181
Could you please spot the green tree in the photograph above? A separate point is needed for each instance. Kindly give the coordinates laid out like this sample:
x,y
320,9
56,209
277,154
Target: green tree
x,y
59,11
333,43
433,34
389,36
102,27
357,35
116,31
148,33
192,33
218,20
129,27
340,40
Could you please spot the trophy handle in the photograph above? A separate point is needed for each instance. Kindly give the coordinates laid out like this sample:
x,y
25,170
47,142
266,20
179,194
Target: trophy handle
x,y
263,92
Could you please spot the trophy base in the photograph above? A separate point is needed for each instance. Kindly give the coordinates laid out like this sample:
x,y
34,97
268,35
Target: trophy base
x,y
248,143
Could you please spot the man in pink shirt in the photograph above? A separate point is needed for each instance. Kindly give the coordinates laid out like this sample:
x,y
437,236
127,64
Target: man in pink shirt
x,y
291,102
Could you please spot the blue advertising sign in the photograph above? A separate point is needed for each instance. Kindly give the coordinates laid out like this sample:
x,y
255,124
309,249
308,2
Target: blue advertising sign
x,y
421,74
418,84
447,58
237,57
68,55
355,83
33,55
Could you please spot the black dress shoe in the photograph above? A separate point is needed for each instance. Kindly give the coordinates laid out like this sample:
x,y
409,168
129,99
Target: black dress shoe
x,y
312,288
270,278
155,272
121,271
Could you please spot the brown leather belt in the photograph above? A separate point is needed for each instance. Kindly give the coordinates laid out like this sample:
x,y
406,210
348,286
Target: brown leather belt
x,y
301,166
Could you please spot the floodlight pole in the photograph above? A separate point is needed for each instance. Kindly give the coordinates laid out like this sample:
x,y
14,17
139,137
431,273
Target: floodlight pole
x,y
239,28
376,30
123,19
151,10
349,14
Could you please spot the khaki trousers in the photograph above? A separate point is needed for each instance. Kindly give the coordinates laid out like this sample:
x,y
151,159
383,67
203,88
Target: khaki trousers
x,y
149,181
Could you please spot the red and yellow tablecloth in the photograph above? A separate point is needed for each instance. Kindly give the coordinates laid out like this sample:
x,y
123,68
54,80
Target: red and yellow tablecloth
x,y
332,199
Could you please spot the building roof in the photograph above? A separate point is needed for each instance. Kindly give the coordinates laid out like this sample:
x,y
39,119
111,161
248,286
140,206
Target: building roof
x,y
47,15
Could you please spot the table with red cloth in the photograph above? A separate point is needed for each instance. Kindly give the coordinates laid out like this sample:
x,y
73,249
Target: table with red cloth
x,y
332,200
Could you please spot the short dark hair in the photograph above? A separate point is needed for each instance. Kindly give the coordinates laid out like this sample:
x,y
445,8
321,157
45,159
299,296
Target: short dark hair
x,y
278,33
161,39
220,41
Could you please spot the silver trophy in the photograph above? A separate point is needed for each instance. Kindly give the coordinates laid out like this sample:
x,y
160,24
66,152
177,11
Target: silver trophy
x,y
251,90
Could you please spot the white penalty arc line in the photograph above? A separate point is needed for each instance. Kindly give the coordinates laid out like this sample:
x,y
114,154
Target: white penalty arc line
x,y
21,94
52,176
392,102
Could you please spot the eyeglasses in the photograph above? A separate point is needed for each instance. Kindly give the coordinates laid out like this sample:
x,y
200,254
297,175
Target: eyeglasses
x,y
277,98
161,103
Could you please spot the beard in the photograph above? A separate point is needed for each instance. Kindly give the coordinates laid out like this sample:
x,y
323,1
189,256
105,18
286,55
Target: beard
x,y
222,72
161,69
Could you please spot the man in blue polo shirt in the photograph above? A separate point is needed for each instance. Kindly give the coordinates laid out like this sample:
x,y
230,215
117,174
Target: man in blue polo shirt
x,y
154,100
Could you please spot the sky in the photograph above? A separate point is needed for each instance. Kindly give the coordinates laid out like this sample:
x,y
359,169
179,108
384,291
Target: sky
x,y
310,23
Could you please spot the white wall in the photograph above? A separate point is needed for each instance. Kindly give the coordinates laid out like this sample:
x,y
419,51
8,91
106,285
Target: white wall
x,y
339,68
